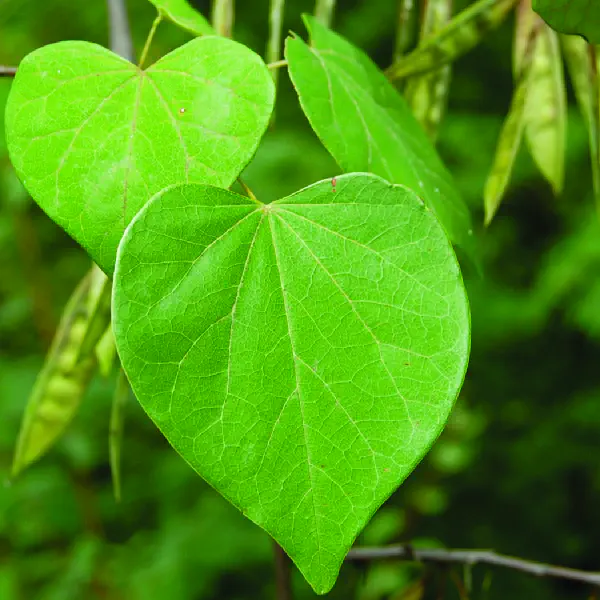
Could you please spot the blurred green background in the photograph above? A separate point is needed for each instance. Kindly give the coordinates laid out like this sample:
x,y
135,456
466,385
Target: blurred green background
x,y
517,467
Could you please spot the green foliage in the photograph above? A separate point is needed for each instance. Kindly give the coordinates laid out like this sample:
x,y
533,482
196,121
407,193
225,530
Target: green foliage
x,y
367,126
581,17
182,14
68,96
533,379
302,356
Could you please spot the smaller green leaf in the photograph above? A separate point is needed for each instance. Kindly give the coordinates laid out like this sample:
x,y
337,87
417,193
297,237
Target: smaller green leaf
x,y
461,34
580,17
61,384
581,60
367,126
182,14
115,435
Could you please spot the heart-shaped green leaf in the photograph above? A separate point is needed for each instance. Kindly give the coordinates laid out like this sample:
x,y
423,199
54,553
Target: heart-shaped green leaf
x,y
93,137
367,126
302,356
182,14
580,17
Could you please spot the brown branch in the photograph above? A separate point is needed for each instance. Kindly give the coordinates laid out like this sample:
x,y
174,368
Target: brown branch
x,y
8,71
283,574
473,557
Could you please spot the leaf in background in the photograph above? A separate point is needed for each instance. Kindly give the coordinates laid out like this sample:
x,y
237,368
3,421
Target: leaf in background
x,y
510,135
427,94
302,356
181,13
92,137
367,126
60,385
546,103
115,435
581,63
461,34
581,17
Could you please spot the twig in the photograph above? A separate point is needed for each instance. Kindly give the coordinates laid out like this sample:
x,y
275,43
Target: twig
x,y
473,557
283,579
8,71
403,32
277,64
120,34
149,39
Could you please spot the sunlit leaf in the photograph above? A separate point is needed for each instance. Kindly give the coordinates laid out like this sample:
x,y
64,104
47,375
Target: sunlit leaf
x,y
367,126
93,137
461,34
182,14
580,17
302,356
60,385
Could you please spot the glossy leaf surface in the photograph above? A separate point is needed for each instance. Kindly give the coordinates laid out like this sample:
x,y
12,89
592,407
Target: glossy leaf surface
x,y
301,356
182,14
367,126
93,137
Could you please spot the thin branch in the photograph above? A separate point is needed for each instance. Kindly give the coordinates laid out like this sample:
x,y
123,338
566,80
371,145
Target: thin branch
x,y
277,64
8,71
403,27
283,573
120,34
149,39
473,557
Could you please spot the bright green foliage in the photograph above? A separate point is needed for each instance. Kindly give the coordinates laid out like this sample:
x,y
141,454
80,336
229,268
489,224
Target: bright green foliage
x,y
61,383
367,126
182,14
302,356
461,34
580,17
93,137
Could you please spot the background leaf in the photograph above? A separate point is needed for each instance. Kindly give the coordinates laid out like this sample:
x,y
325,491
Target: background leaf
x,y
546,102
302,356
182,14
367,126
580,17
93,138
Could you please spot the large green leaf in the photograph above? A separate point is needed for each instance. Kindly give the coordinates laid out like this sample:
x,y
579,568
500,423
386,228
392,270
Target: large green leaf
x,y
302,356
572,16
182,14
367,126
93,137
